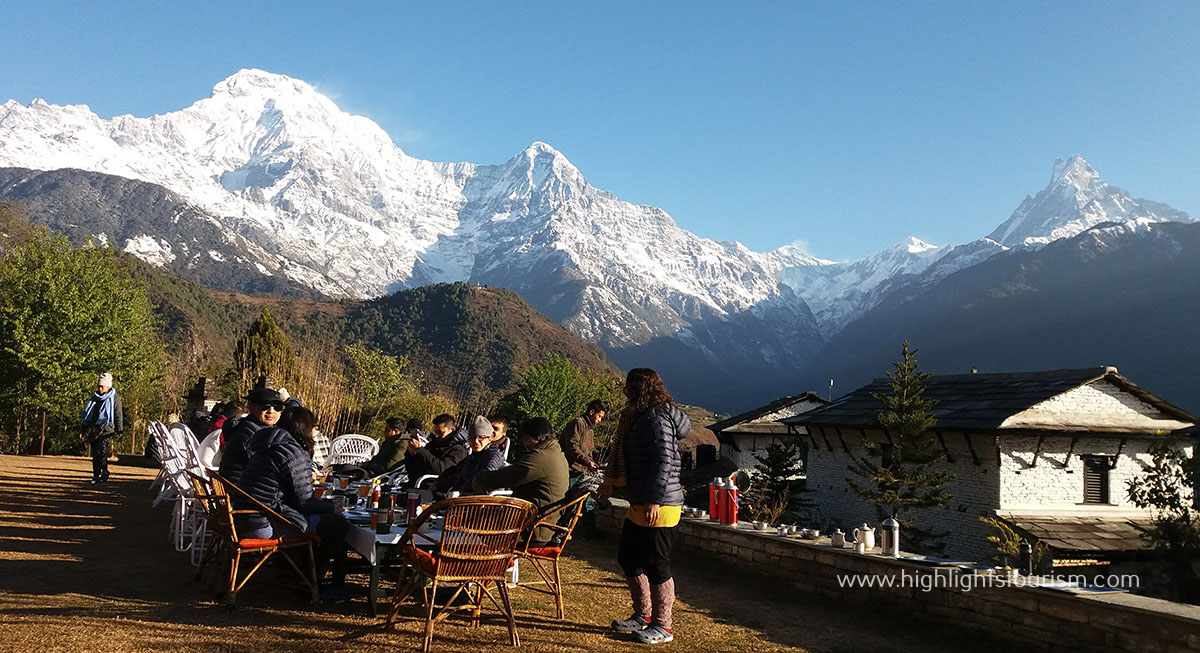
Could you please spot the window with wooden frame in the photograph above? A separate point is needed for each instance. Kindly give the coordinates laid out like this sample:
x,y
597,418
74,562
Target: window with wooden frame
x,y
1095,478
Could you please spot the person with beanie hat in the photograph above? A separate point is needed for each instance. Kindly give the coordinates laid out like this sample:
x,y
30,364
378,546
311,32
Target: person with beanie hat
x,y
102,420
488,443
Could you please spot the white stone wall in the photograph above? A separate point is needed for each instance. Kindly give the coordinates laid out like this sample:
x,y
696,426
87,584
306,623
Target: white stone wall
x,y
976,491
1098,406
1052,485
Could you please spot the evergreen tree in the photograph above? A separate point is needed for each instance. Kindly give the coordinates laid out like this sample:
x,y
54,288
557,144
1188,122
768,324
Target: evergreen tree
x,y
66,315
899,474
771,480
263,350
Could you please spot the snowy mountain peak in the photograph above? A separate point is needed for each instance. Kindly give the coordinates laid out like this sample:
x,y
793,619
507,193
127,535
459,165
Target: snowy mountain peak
x,y
790,256
913,245
1074,171
1075,200
255,82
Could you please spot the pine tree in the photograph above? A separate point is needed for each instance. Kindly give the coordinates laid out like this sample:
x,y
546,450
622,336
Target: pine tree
x,y
771,480
263,350
900,474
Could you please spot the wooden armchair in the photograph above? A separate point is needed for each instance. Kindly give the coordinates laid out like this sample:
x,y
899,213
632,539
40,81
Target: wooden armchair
x,y
561,517
473,550
214,495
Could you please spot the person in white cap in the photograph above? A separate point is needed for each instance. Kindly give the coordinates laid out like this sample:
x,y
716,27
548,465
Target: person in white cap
x,y
102,420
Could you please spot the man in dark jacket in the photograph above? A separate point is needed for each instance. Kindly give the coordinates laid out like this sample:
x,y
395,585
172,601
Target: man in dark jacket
x,y
540,476
578,442
102,420
577,438
446,449
265,407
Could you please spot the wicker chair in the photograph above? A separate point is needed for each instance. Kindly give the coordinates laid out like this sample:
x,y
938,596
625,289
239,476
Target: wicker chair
x,y
561,517
351,449
214,494
478,541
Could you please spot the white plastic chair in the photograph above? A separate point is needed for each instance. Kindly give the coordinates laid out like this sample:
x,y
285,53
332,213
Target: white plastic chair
x,y
188,527
351,449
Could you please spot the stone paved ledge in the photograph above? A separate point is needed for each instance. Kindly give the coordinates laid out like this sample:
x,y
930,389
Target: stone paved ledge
x,y
1040,618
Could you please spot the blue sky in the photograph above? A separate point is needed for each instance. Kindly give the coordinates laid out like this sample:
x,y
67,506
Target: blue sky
x,y
844,126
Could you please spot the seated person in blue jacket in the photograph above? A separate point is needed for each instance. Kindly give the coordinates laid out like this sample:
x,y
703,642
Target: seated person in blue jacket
x,y
279,475
488,443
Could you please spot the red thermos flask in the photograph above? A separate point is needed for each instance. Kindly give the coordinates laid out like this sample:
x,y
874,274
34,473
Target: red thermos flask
x,y
729,512
714,498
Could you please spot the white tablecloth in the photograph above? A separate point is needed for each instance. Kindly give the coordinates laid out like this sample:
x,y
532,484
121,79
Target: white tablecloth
x,y
364,539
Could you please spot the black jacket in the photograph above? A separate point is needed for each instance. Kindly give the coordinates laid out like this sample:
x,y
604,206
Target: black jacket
x,y
236,454
479,461
279,474
652,459
437,456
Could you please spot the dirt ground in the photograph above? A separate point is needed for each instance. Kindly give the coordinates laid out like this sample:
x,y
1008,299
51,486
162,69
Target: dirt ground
x,y
89,568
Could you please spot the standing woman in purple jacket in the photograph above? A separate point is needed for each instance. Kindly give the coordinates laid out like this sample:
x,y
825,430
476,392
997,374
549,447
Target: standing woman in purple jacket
x,y
645,461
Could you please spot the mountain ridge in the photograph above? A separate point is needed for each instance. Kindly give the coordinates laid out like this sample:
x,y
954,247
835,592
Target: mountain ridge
x,y
294,189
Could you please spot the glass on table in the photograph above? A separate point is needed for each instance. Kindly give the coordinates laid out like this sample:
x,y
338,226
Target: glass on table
x,y
343,482
364,490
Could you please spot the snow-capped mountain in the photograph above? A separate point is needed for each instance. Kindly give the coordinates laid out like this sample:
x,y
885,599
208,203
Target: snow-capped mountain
x,y
1076,200
839,293
353,215
269,177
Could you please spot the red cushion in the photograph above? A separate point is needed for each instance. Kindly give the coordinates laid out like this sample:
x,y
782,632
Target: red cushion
x,y
545,551
253,543
422,559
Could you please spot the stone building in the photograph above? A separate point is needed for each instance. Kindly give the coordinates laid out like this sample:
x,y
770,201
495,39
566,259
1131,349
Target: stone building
x,y
1048,452
747,435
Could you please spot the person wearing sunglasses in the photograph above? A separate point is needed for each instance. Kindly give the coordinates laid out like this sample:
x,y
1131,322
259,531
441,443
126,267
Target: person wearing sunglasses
x,y
265,407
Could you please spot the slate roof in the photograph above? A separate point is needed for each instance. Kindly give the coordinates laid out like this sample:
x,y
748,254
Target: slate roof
x,y
1083,536
778,404
977,402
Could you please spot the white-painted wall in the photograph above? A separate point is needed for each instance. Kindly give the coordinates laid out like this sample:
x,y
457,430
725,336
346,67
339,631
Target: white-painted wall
x,y
976,491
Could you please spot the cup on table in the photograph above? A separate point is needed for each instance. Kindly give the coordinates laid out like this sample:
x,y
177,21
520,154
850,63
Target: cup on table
x,y
364,490
319,491
343,482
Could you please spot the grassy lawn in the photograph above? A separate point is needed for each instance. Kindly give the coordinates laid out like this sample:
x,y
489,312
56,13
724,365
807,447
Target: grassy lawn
x,y
89,568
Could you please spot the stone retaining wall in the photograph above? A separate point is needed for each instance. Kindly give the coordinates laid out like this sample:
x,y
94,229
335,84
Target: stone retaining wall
x,y
1036,617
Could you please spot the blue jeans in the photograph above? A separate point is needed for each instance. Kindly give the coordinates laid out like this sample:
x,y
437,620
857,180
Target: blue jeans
x,y
269,532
